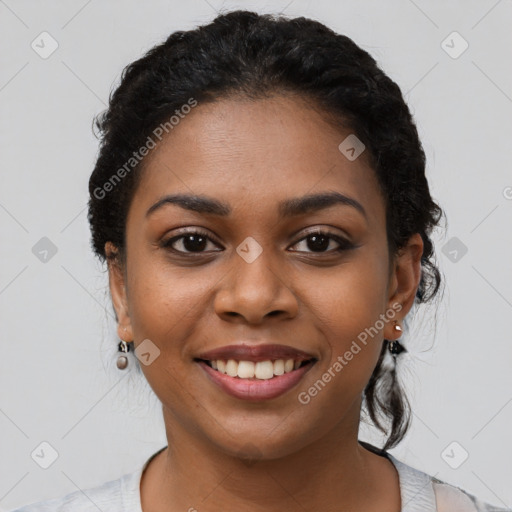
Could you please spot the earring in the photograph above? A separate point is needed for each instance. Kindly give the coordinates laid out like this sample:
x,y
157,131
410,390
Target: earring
x,y
122,360
394,346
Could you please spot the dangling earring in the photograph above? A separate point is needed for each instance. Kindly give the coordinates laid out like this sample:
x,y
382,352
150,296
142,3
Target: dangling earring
x,y
394,346
124,348
122,360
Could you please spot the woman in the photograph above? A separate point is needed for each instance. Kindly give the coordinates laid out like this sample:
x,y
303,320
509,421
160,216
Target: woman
x,y
261,201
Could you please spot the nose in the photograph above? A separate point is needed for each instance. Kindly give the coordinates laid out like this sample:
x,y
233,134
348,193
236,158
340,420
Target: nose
x,y
255,290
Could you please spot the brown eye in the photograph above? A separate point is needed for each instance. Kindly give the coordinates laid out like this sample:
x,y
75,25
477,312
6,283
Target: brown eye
x,y
189,242
320,241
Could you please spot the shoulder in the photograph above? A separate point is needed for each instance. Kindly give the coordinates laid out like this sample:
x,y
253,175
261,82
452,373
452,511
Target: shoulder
x,y
450,497
423,492
112,496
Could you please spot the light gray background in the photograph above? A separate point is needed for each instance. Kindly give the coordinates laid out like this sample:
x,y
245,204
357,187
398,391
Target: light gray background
x,y
58,378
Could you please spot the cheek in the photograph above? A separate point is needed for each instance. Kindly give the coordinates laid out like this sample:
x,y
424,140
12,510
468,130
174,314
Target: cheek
x,y
164,308
169,307
349,310
164,303
347,301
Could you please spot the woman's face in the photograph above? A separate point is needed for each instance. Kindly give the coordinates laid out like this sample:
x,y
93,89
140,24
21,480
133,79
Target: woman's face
x,y
255,275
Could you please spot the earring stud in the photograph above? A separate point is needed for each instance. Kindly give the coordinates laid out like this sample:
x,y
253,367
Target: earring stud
x,y
394,346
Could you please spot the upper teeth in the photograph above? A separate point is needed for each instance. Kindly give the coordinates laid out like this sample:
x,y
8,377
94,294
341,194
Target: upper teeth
x,y
249,369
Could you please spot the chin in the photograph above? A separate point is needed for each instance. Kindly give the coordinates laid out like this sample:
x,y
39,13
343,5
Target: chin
x,y
264,440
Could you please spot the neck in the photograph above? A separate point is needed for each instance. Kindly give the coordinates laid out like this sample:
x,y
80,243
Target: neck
x,y
332,473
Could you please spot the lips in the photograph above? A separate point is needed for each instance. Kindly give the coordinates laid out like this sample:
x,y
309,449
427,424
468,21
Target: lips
x,y
255,353
255,372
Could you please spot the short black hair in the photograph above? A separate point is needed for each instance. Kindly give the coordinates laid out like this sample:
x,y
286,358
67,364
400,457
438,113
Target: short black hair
x,y
245,54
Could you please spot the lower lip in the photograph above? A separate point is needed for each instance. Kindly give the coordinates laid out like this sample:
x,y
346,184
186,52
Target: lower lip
x,y
256,389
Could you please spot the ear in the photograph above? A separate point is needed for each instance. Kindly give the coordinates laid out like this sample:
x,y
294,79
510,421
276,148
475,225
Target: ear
x,y
118,292
404,280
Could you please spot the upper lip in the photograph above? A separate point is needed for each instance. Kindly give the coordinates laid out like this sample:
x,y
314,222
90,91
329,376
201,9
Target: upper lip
x,y
262,352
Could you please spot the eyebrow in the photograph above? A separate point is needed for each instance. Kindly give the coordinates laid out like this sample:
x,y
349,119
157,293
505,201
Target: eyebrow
x,y
287,208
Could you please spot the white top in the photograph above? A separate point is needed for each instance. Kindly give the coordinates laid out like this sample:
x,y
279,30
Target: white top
x,y
419,492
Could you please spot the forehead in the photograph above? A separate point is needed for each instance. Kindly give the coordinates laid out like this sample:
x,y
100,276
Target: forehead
x,y
256,153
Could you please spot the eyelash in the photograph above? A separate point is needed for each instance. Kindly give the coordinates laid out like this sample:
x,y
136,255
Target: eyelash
x,y
344,245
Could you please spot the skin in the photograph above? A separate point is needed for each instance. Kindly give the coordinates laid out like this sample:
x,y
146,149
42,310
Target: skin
x,y
251,155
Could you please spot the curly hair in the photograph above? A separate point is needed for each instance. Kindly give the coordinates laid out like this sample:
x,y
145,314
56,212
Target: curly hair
x,y
246,54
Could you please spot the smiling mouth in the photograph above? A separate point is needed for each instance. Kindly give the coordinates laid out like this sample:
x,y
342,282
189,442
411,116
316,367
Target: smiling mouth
x,y
256,370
